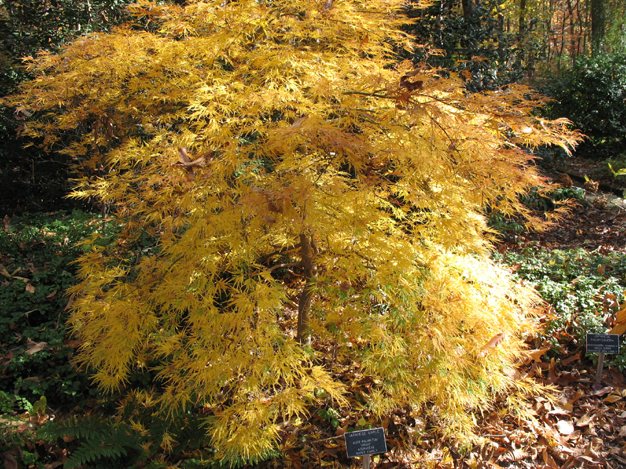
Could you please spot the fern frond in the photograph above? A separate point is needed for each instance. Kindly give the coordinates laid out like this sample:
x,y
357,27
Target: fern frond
x,y
102,443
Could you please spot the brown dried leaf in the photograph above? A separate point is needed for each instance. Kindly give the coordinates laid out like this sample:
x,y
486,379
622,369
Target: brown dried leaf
x,y
565,427
601,391
571,462
9,461
585,420
548,459
613,398
538,353
620,323
493,343
30,288
53,465
571,359
4,272
33,347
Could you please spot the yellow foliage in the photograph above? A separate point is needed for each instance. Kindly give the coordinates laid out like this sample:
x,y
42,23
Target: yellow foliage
x,y
247,140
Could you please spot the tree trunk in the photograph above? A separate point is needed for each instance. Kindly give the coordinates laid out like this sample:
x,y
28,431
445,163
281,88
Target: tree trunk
x,y
308,251
468,8
522,20
598,26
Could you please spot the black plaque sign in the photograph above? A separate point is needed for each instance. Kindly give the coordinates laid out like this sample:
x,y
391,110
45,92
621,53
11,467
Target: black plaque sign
x,y
365,442
602,343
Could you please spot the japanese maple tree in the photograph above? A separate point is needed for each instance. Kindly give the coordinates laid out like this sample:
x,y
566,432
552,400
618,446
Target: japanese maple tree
x,y
289,192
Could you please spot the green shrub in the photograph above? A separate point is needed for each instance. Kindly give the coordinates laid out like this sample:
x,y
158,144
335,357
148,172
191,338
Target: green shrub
x,y
592,95
474,45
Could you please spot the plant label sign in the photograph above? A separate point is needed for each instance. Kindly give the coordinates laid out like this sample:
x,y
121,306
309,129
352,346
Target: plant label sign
x,y
603,343
365,442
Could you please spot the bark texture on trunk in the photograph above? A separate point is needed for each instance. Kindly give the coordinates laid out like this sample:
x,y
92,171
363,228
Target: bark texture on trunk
x,y
307,249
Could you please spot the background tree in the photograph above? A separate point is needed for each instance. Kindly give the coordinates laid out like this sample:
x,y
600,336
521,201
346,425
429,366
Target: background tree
x,y
292,199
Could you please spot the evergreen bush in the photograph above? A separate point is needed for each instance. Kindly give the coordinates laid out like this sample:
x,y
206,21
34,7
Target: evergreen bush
x,y
592,95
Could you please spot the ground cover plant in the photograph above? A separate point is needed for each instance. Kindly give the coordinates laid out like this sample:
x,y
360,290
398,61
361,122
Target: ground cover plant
x,y
37,264
585,291
294,201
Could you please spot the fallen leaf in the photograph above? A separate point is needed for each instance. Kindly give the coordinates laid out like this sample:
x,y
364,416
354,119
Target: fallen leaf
x,y
493,343
4,272
53,465
584,420
571,462
538,353
571,359
565,427
33,347
548,459
601,391
613,398
30,288
620,323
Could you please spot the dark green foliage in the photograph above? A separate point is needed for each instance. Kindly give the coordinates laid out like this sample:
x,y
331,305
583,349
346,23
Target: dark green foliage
x,y
544,202
103,443
584,296
141,431
36,262
27,26
592,95
471,43
29,178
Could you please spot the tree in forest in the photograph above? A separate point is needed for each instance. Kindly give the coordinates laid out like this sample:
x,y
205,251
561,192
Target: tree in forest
x,y
292,199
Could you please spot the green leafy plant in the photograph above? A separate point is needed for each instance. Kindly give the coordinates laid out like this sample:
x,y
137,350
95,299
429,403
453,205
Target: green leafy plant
x,y
330,415
37,254
471,43
592,95
584,291
101,443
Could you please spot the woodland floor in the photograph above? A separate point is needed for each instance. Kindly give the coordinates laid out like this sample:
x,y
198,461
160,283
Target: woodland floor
x,y
583,426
